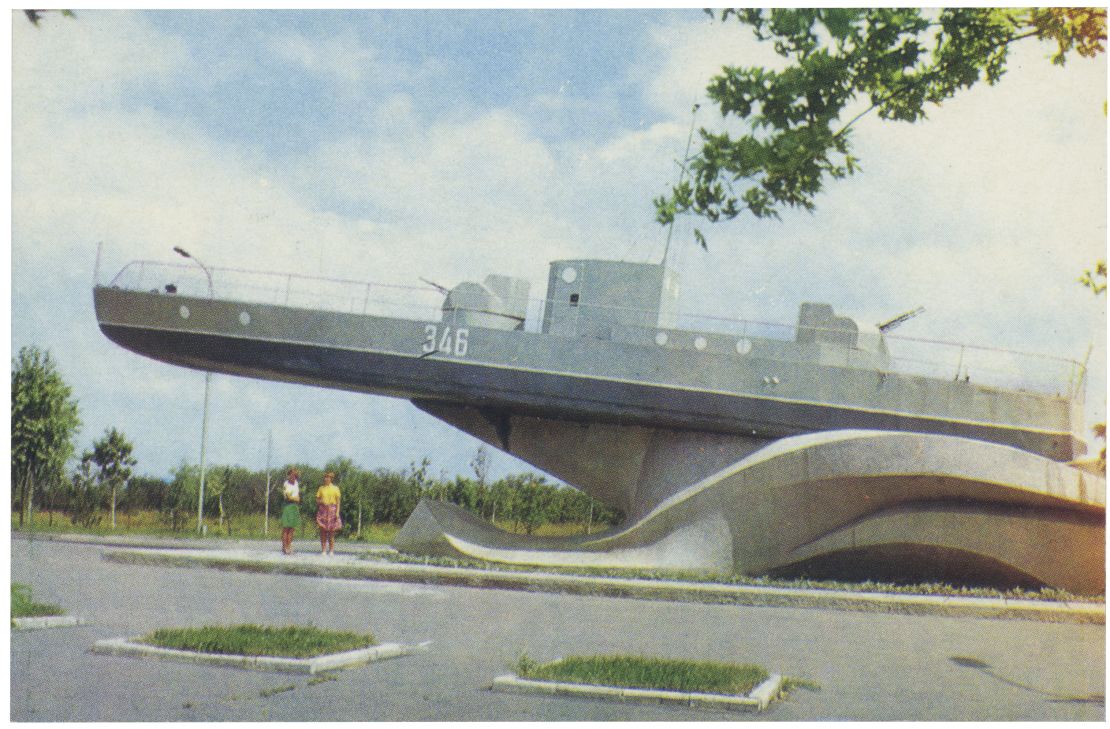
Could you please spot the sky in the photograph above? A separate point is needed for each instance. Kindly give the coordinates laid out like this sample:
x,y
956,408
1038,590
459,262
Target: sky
x,y
388,146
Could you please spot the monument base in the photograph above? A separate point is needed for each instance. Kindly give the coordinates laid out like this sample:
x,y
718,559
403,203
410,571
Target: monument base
x,y
856,505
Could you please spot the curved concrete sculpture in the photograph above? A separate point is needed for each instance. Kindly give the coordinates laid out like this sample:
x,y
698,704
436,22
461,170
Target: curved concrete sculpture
x,y
873,503
817,449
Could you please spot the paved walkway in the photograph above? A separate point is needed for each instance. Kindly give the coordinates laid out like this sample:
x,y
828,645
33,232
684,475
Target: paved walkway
x,y
870,666
356,561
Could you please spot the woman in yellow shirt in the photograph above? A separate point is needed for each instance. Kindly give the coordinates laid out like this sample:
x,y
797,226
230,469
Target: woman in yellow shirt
x,y
327,514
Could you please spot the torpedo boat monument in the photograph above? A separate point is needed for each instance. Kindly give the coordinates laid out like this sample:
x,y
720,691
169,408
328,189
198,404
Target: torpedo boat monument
x,y
825,448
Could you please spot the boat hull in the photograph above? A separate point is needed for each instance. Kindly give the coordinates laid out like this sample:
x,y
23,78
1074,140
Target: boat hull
x,y
526,373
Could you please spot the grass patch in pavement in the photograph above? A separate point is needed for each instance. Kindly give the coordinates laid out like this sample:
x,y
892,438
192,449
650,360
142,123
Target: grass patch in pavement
x,y
267,693
792,684
1047,594
643,672
23,606
292,641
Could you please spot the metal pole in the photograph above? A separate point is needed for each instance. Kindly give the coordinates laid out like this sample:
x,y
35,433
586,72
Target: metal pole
x,y
203,443
185,254
31,510
266,523
681,174
207,384
96,266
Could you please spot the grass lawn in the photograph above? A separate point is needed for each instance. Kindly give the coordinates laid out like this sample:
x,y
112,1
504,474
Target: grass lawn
x,y
291,641
24,607
153,524
647,673
245,526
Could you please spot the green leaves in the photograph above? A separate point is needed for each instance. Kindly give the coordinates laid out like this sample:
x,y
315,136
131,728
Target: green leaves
x,y
1080,29
112,453
35,16
1095,280
700,239
897,60
44,420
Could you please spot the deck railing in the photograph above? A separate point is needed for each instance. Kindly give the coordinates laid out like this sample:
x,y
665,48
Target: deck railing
x,y
992,366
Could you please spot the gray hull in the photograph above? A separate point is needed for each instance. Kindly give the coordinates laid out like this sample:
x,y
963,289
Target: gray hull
x,y
567,377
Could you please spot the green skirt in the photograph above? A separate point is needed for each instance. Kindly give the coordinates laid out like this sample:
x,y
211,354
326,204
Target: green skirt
x,y
290,515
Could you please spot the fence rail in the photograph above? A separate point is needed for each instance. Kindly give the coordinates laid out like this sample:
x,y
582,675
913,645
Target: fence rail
x,y
993,366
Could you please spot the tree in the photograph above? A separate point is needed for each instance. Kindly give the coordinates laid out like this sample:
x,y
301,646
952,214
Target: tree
x,y
243,491
44,421
36,15
145,492
112,454
84,493
181,496
1099,429
356,490
480,465
1095,280
800,119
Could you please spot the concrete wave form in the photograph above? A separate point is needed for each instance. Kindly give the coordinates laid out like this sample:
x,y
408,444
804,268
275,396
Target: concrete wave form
x,y
854,504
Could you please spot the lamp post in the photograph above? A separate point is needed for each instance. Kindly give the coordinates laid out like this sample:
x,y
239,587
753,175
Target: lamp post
x,y
185,254
204,418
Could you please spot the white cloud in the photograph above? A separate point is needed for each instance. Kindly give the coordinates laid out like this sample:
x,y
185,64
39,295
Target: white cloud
x,y
457,195
69,63
343,56
352,66
689,55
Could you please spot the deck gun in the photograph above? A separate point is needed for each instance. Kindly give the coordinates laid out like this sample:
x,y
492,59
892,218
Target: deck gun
x,y
899,320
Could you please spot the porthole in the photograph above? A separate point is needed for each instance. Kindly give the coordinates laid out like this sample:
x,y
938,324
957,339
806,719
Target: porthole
x,y
743,346
570,274
184,311
661,338
244,318
699,343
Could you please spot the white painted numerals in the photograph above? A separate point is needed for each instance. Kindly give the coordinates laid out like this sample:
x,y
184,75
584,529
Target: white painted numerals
x,y
449,341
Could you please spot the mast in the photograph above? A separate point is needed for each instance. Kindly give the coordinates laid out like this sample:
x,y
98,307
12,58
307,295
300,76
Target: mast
x,y
681,174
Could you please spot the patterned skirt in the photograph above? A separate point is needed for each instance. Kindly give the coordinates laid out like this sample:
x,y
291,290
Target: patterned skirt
x,y
327,518
290,516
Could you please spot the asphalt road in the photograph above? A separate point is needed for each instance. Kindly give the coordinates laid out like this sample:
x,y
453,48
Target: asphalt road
x,y
869,666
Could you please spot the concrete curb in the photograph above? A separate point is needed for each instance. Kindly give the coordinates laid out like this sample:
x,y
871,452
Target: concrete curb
x,y
756,700
48,621
187,543
349,568
330,662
